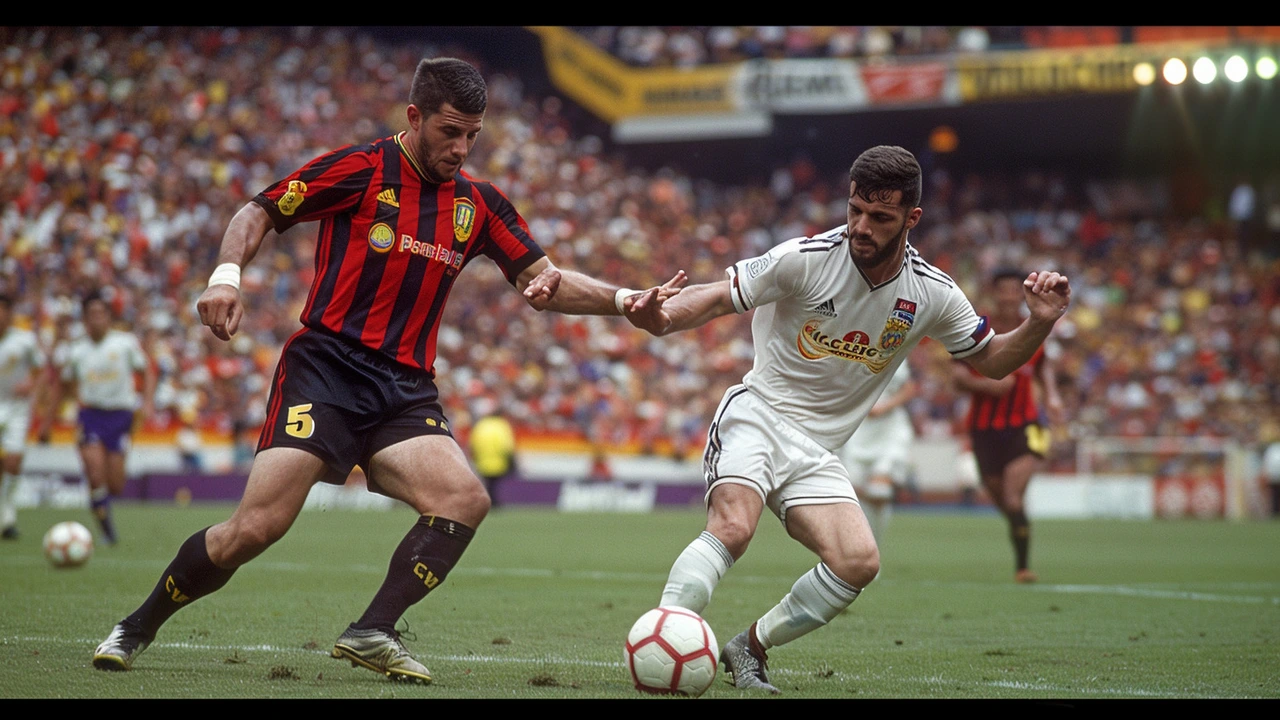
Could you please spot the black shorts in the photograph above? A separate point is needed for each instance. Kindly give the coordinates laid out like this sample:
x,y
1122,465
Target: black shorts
x,y
995,449
343,403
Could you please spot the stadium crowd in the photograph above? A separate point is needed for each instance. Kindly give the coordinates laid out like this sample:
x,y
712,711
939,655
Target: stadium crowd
x,y
124,152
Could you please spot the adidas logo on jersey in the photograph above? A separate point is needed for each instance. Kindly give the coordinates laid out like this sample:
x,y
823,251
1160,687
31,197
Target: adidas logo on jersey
x,y
388,196
827,308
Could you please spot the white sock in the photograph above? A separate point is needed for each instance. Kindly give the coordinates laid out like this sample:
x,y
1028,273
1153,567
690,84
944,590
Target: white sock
x,y
8,511
696,573
815,600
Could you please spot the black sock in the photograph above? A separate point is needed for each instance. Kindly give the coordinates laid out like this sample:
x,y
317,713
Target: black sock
x,y
1020,533
191,575
421,562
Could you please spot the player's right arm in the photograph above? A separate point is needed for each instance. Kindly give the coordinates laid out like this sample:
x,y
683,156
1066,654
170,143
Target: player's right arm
x,y
219,306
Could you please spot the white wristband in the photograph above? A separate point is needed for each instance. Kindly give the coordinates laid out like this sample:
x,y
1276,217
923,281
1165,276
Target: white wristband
x,y
619,296
226,274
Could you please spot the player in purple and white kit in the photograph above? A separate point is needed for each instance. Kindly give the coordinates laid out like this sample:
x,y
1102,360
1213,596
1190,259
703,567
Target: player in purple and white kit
x,y
835,315
102,369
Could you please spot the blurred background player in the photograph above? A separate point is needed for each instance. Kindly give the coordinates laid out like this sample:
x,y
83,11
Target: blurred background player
x,y
21,373
1008,436
493,449
103,370
878,455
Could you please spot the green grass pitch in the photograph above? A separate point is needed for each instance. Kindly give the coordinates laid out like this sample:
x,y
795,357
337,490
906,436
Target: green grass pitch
x,y
542,601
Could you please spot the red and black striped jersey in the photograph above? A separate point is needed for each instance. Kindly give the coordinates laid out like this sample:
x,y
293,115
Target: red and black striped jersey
x,y
1015,409
392,243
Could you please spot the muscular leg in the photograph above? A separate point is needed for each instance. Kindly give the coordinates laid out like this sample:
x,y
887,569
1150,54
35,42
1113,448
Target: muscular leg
x,y
278,486
841,537
432,475
733,513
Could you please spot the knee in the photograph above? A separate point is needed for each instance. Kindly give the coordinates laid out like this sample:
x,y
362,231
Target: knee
x,y
858,568
243,539
734,533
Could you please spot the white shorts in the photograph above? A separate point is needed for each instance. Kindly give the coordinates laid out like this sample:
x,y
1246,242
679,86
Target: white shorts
x,y
15,421
750,444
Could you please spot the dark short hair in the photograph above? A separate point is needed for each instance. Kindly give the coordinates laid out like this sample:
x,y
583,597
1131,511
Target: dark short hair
x,y
6,300
881,170
1007,273
92,297
448,80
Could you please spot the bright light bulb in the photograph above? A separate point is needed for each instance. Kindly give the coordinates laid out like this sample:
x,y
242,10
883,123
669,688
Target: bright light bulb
x,y
1204,70
1175,71
1266,68
1144,73
1236,69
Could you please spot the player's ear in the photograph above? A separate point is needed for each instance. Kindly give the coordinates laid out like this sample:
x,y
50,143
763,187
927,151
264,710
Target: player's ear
x,y
913,217
415,116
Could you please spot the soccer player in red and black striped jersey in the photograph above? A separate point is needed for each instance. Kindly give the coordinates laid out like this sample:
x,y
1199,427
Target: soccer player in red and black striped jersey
x,y
399,219
1006,427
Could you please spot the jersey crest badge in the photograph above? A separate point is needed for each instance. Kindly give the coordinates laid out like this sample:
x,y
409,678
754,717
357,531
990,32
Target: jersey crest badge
x,y
293,197
897,326
464,219
381,237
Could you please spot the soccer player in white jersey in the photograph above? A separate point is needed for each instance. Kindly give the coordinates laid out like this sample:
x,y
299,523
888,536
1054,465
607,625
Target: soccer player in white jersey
x,y
835,315
878,454
102,368
21,371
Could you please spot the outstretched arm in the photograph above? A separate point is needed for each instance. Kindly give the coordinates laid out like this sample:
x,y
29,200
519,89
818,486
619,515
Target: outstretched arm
x,y
546,287
219,305
696,305
1048,296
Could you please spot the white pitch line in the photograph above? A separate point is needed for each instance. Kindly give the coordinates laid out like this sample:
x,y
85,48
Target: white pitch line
x,y
1160,594
378,570
933,680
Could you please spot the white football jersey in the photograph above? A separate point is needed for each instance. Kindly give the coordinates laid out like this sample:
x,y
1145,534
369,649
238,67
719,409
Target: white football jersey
x,y
104,371
19,356
827,342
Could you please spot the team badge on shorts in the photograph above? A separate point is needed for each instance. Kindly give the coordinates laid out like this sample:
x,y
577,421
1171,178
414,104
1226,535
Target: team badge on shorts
x,y
464,219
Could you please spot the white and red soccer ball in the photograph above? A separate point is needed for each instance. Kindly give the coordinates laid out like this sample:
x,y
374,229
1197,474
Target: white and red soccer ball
x,y
68,544
672,651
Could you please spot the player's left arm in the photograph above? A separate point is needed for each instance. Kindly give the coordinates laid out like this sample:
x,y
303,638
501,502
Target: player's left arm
x,y
1048,295
143,366
547,287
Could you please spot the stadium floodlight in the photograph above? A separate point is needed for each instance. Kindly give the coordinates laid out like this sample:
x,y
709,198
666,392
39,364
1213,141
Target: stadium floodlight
x,y
1204,71
1236,69
1266,67
1175,71
1144,73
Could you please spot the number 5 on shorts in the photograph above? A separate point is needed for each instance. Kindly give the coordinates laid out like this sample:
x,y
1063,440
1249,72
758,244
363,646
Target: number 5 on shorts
x,y
298,423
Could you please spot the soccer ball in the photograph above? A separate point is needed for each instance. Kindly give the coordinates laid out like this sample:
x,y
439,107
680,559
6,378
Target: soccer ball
x,y
68,544
672,651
